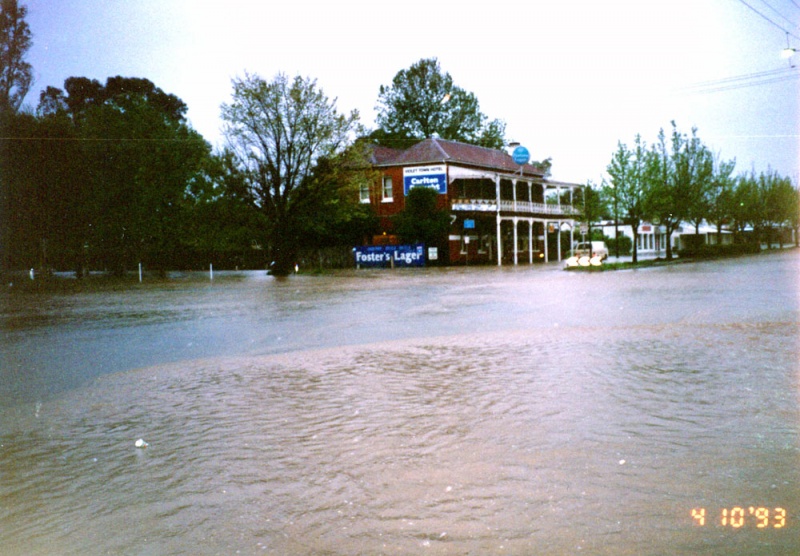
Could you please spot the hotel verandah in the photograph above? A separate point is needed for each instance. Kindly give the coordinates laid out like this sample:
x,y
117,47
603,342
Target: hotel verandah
x,y
500,212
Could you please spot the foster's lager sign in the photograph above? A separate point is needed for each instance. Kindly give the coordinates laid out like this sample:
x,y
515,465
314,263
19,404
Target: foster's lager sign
x,y
390,255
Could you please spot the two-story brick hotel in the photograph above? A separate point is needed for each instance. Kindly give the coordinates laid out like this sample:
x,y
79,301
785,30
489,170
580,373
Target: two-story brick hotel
x,y
500,211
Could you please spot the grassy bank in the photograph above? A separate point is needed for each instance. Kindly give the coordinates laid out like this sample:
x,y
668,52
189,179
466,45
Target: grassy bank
x,y
707,253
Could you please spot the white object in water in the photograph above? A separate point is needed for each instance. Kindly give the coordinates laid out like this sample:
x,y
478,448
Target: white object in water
x,y
141,443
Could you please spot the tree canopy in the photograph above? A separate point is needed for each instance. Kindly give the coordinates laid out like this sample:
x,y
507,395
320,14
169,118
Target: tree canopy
x,y
422,101
422,221
678,177
100,175
679,180
279,132
627,188
16,75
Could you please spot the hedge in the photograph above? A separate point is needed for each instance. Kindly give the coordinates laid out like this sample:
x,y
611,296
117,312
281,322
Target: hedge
x,y
713,251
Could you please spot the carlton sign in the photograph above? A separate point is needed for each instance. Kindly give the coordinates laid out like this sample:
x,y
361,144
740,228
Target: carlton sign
x,y
434,177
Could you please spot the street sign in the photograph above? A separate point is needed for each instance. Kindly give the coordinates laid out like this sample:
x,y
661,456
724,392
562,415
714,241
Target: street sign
x,y
521,155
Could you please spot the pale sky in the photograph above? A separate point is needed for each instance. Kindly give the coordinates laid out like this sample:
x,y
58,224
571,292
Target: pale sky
x,y
569,77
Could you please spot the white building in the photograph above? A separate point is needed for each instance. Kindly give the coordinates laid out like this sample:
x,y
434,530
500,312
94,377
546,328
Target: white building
x,y
652,239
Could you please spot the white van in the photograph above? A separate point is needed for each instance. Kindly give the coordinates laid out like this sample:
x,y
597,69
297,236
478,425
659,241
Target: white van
x,y
591,249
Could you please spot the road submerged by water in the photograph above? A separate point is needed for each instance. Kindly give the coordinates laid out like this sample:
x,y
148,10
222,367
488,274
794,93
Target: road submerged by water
x,y
441,411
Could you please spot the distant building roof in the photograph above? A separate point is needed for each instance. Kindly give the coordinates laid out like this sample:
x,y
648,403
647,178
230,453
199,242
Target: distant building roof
x,y
380,155
435,151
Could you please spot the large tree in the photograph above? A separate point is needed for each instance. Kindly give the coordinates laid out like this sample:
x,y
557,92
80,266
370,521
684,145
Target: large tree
x,y
328,211
628,185
679,176
15,80
780,199
422,101
591,203
720,195
130,156
279,131
16,75
221,224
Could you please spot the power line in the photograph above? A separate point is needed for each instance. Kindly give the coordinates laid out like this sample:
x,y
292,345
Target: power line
x,y
768,19
767,4
740,77
739,82
740,85
744,85
97,139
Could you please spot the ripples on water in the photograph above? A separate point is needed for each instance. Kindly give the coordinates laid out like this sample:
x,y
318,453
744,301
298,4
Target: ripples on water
x,y
599,441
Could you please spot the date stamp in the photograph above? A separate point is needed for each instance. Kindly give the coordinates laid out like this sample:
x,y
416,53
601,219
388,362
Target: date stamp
x,y
737,517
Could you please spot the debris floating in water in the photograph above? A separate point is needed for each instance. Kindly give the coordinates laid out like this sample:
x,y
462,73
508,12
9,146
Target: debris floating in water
x,y
141,444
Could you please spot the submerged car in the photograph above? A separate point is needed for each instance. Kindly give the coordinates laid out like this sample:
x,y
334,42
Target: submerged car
x,y
591,249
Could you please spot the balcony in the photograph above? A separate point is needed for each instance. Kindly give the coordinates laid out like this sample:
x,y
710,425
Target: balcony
x,y
520,207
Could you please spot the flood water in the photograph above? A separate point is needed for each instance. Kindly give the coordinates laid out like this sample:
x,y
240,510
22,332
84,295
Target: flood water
x,y
459,411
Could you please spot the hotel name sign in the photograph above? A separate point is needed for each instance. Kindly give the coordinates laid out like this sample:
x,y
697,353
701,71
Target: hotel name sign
x,y
434,177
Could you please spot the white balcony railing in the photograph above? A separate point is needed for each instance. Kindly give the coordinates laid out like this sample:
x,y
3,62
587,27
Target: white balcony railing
x,y
525,207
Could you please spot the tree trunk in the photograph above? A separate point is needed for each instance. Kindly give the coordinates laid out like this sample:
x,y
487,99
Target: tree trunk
x,y
284,251
669,228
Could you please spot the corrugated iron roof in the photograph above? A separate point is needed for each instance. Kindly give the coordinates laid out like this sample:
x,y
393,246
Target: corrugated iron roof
x,y
435,150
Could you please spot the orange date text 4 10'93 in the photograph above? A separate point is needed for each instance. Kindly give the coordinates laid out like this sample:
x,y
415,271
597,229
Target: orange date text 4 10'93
x,y
738,516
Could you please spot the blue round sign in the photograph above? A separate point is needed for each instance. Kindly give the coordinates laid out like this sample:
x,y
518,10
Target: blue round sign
x,y
521,155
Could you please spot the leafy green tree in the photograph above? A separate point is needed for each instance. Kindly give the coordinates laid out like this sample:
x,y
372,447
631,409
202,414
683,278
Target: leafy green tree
x,y
15,80
423,101
221,225
21,216
592,204
16,75
137,155
628,185
422,220
54,163
720,195
279,131
781,203
678,178
695,174
748,206
792,201
328,213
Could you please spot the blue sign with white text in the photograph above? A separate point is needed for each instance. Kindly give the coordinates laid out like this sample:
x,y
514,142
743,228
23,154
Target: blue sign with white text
x,y
382,256
434,177
521,155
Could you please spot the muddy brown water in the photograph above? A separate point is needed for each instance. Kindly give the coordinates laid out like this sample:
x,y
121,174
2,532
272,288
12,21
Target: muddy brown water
x,y
457,411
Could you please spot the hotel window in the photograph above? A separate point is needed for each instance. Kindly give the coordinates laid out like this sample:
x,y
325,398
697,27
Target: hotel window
x,y
387,189
364,193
